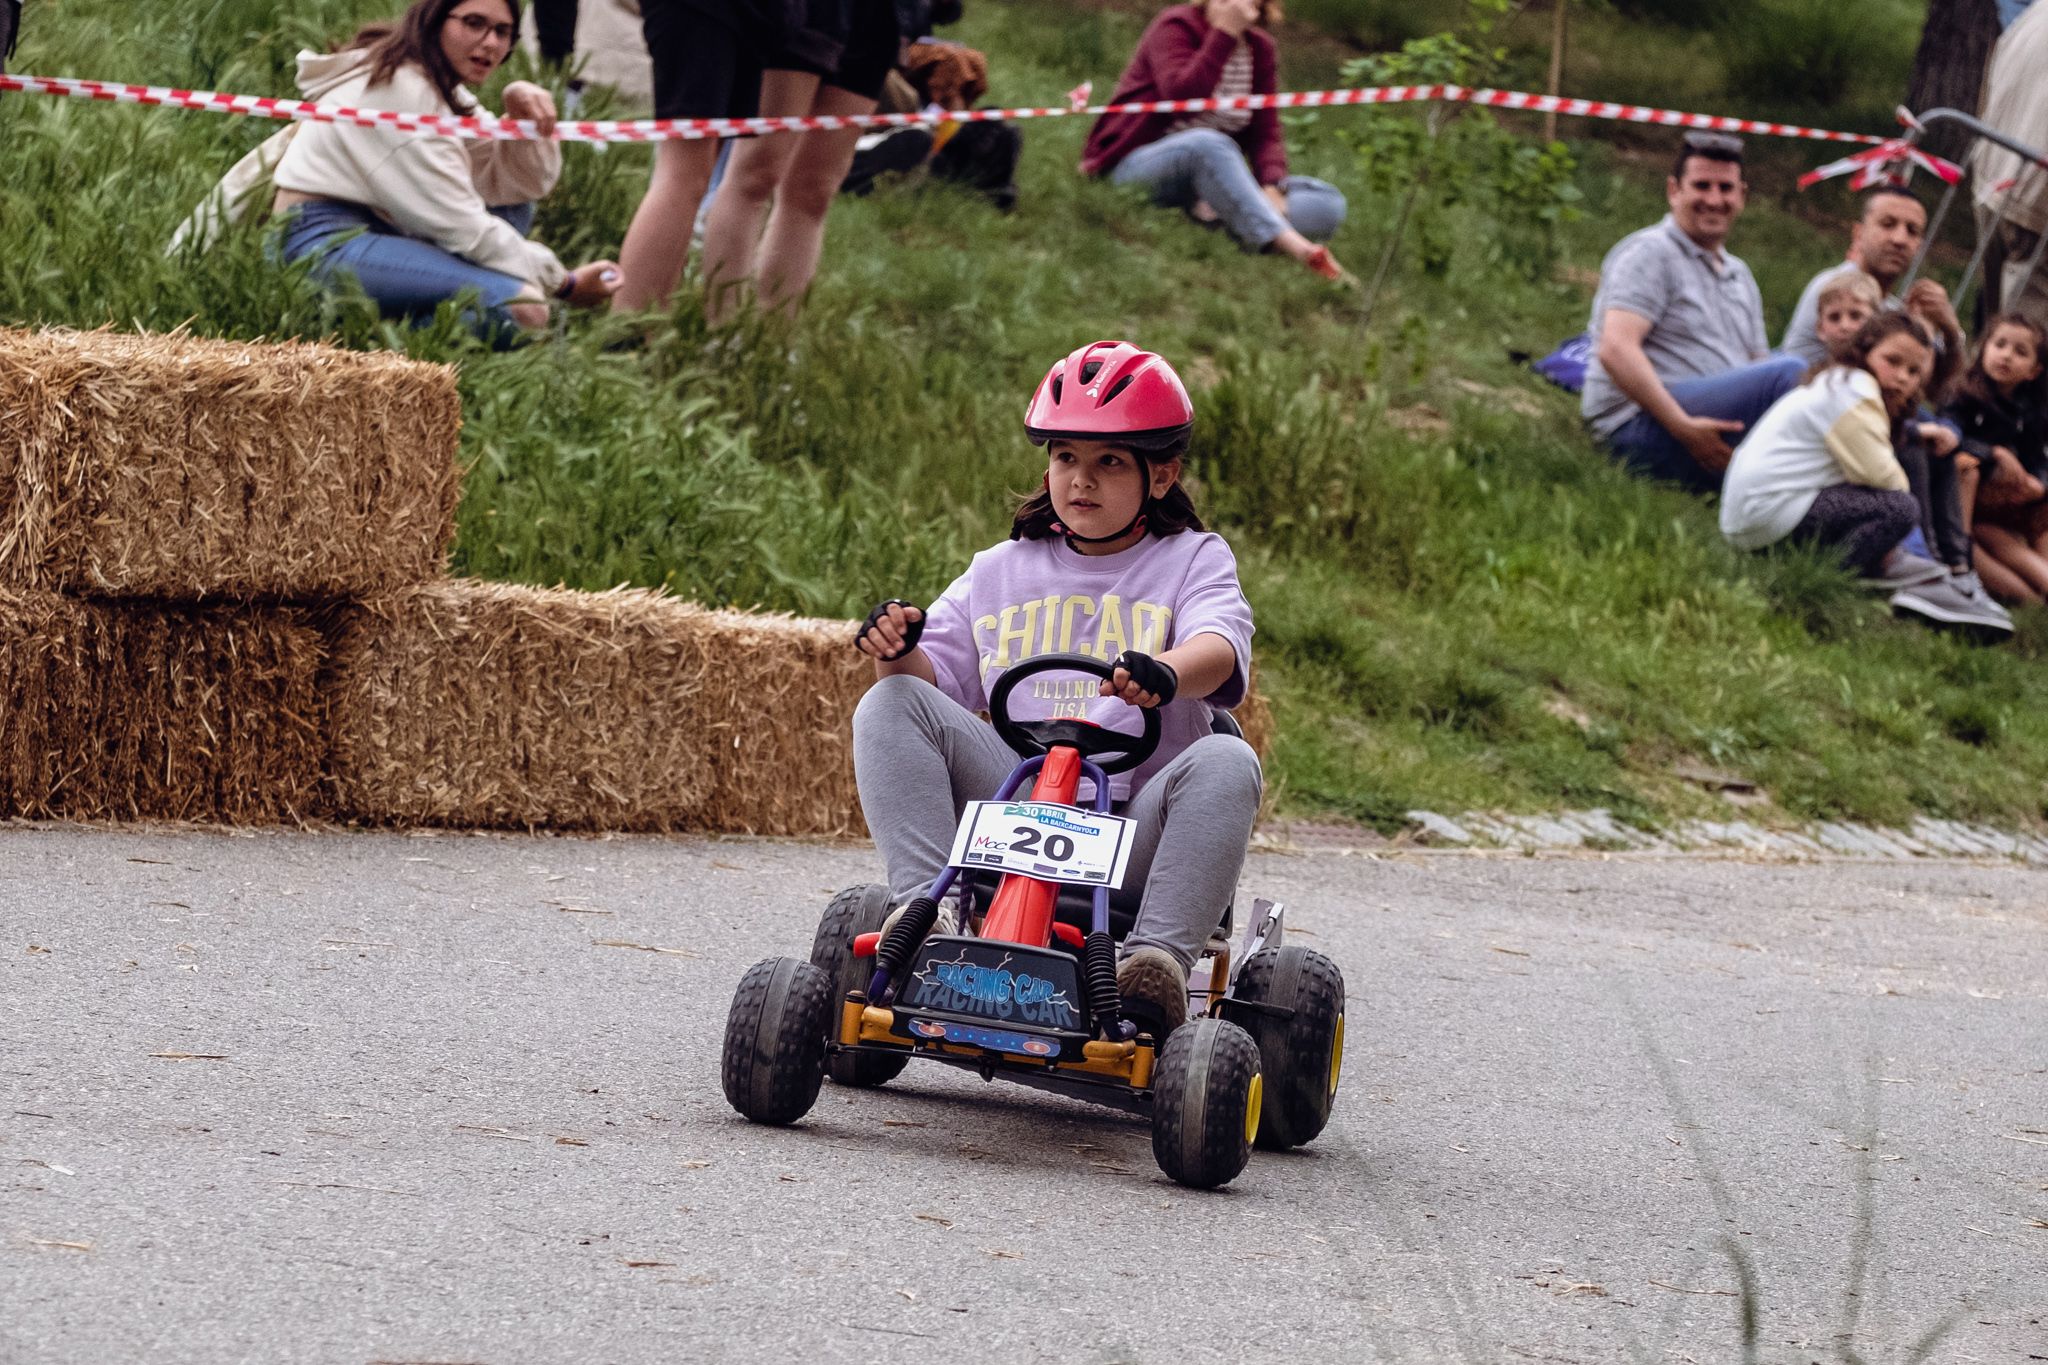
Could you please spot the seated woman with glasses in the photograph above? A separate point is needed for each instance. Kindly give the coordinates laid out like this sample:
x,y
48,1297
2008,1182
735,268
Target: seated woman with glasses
x,y
416,218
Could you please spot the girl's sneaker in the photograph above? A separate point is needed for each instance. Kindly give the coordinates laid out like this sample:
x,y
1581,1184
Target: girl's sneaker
x,y
1904,569
1954,600
1323,263
1154,991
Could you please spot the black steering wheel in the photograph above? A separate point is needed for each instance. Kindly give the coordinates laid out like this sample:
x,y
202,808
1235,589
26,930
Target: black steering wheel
x,y
1111,750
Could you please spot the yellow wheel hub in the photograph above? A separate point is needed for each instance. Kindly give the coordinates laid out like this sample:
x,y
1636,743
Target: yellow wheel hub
x,y
1337,1054
1252,1102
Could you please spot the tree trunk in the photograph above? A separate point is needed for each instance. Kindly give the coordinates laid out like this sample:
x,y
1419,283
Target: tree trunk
x,y
1948,68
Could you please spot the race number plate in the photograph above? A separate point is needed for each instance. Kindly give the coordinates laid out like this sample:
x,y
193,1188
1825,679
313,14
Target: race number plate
x,y
1040,839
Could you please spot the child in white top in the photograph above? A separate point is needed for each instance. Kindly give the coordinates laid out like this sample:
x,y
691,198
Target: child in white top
x,y
1819,466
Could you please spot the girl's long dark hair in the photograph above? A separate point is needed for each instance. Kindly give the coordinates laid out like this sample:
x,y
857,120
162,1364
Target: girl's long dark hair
x,y
2032,395
416,38
1168,515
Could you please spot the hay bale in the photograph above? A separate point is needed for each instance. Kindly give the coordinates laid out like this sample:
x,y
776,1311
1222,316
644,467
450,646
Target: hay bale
x,y
139,711
1255,716
172,467
781,711
486,704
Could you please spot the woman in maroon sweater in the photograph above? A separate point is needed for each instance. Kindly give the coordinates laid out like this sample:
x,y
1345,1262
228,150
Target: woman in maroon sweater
x,y
1226,165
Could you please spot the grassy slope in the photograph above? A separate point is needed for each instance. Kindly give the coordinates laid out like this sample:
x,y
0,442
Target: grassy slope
x,y
1472,611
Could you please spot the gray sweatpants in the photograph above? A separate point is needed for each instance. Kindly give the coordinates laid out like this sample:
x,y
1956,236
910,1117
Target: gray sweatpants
x,y
920,757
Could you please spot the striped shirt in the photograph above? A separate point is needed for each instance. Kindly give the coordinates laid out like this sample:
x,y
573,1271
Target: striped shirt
x,y
1235,83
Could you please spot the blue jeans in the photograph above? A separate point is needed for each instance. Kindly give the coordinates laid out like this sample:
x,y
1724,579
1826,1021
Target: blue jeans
x,y
408,278
1204,164
1744,395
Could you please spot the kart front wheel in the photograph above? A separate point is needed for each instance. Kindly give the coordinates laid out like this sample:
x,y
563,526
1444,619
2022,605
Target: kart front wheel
x,y
1302,1051
774,1058
1206,1093
855,911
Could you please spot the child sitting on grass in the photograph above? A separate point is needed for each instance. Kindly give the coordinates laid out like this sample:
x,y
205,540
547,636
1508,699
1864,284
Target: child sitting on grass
x,y
2001,408
1821,467
1939,478
1106,558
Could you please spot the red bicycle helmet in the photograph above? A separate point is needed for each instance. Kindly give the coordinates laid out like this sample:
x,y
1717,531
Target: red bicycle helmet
x,y
1110,391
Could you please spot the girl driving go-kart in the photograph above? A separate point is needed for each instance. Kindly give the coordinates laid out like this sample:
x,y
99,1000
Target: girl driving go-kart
x,y
1109,609
1108,558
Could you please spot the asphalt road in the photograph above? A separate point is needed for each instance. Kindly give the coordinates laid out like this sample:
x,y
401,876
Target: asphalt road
x,y
359,1098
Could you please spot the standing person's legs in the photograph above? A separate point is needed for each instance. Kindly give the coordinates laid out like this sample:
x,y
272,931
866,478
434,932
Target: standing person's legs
x,y
753,177
700,71
918,758
657,244
1863,523
1194,823
554,23
795,237
1740,395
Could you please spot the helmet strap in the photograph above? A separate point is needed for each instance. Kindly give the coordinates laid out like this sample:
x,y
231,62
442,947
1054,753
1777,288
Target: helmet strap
x,y
1134,523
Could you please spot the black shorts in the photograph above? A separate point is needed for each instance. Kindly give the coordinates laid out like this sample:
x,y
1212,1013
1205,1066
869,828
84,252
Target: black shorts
x,y
873,44
703,67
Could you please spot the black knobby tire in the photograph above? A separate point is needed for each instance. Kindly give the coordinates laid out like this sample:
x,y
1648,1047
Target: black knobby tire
x,y
855,911
775,1040
1206,1092
1302,1054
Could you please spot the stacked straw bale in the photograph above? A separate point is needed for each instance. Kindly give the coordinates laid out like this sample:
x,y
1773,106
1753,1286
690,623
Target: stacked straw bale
x,y
119,711
781,707
221,599
175,468
485,704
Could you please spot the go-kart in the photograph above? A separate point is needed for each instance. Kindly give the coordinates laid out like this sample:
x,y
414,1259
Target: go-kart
x,y
1032,995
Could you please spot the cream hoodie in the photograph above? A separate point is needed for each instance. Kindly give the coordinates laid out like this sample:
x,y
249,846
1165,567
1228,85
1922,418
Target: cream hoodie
x,y
426,185
1829,431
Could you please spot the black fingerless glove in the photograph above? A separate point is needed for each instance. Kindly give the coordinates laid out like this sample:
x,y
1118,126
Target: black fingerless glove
x,y
1151,675
912,630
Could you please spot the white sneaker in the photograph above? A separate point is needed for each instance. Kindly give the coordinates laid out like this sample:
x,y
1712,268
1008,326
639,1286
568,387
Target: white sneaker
x,y
1904,569
1954,600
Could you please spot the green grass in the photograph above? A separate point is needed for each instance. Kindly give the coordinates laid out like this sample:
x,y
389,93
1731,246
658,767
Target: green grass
x,y
1471,611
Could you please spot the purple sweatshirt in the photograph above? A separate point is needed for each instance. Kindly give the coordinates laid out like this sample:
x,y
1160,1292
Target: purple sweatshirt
x,y
1028,597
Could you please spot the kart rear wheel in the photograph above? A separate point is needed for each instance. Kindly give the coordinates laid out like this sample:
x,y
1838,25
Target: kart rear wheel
x,y
775,1040
855,911
1302,1054
1206,1093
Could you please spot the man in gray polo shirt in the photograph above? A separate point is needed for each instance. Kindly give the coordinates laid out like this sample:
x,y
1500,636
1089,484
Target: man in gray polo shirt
x,y
1680,363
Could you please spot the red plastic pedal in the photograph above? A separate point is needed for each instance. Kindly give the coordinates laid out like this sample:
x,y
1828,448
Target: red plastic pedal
x,y
864,945
1068,934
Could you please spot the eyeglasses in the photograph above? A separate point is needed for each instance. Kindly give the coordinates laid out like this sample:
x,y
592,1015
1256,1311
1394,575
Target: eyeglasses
x,y
1725,144
477,25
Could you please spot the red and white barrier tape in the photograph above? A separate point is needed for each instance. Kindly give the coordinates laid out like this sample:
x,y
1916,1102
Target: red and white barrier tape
x,y
657,130
1883,164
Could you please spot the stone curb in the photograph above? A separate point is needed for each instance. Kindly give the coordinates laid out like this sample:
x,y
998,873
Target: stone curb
x,y
1599,830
